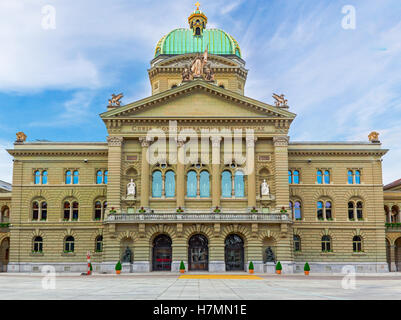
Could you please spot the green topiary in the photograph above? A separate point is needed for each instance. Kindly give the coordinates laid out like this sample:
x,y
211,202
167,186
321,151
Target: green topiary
x,y
306,267
278,266
90,267
182,265
118,266
251,266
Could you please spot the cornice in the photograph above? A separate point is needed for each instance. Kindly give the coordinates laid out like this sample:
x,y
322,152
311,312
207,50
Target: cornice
x,y
317,152
54,153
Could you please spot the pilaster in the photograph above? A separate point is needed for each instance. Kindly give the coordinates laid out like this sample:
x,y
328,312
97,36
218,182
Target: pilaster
x,y
281,171
114,163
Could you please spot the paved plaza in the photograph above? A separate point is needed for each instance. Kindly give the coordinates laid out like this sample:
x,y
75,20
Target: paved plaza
x,y
162,286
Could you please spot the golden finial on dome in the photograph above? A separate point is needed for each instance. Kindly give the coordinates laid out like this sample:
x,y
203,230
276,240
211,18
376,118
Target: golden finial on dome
x,y
197,5
197,21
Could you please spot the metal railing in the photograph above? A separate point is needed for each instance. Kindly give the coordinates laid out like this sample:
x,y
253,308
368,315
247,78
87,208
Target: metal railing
x,y
198,217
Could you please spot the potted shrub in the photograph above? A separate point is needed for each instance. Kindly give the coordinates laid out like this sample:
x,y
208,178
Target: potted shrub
x,y
112,210
251,268
90,268
182,267
283,210
217,210
306,269
278,268
118,267
179,210
254,210
142,210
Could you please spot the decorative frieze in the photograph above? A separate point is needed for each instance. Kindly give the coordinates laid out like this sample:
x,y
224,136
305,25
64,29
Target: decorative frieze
x,y
281,141
115,141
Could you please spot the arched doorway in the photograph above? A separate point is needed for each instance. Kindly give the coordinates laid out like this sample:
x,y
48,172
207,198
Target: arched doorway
x,y
4,254
397,253
198,253
162,253
234,253
388,254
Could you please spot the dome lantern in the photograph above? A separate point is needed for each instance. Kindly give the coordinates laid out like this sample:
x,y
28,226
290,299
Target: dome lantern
x,y
197,21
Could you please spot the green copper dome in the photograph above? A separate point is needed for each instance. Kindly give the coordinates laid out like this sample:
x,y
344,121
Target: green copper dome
x,y
182,41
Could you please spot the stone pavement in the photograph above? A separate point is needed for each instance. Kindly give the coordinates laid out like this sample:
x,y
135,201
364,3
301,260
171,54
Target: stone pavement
x,y
169,286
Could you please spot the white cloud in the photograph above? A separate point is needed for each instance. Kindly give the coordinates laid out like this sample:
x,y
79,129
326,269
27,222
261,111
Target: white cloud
x,y
6,164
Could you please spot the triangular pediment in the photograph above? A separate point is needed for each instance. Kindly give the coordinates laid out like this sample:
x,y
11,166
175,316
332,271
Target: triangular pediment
x,y
198,99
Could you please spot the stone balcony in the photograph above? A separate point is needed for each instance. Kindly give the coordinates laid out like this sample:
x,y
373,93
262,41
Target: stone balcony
x,y
198,217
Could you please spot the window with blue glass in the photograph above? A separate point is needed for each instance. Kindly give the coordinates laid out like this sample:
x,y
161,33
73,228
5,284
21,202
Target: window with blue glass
x,y
319,177
357,177
99,177
226,184
44,177
36,177
289,176
157,184
204,184
192,183
320,210
106,177
327,177
239,184
350,177
76,177
295,177
68,177
170,184
297,210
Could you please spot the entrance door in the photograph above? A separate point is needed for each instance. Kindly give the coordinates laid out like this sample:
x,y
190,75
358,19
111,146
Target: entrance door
x,y
397,253
162,253
198,253
234,253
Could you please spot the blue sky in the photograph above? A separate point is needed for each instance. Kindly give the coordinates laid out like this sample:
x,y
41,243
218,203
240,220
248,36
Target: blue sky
x,y
342,84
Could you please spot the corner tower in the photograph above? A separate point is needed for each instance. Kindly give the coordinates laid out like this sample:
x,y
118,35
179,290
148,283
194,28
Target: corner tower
x,y
176,50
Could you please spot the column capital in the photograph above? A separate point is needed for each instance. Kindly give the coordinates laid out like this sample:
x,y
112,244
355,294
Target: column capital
x,y
115,141
215,141
281,141
250,141
180,141
145,141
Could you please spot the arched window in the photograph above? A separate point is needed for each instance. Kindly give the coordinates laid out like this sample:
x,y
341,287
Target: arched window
x,y
157,184
297,210
75,211
192,182
328,208
395,212
327,177
37,245
99,177
197,32
319,177
320,210
359,210
204,184
36,179
98,210
350,177
387,213
239,184
326,244
44,177
351,209
69,244
357,177
106,177
99,244
296,177
226,184
357,244
289,177
76,177
297,243
35,210
68,177
67,211
43,211
5,214
170,184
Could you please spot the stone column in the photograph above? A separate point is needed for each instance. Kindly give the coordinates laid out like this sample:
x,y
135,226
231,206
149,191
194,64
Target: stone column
x,y
393,265
251,170
114,164
145,176
181,174
216,171
281,172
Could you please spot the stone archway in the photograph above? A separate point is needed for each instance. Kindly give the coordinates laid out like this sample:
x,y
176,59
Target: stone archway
x,y
397,254
234,253
388,254
4,254
198,253
162,253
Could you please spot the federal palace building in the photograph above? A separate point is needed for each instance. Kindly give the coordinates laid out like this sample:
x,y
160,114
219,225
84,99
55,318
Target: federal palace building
x,y
198,172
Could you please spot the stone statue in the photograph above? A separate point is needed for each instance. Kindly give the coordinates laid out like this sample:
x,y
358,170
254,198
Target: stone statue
x,y
374,137
198,64
131,188
280,100
265,188
186,74
115,100
270,257
209,75
21,137
127,257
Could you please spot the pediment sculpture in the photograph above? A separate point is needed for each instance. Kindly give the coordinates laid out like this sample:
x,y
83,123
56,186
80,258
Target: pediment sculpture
x,y
198,69
115,100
